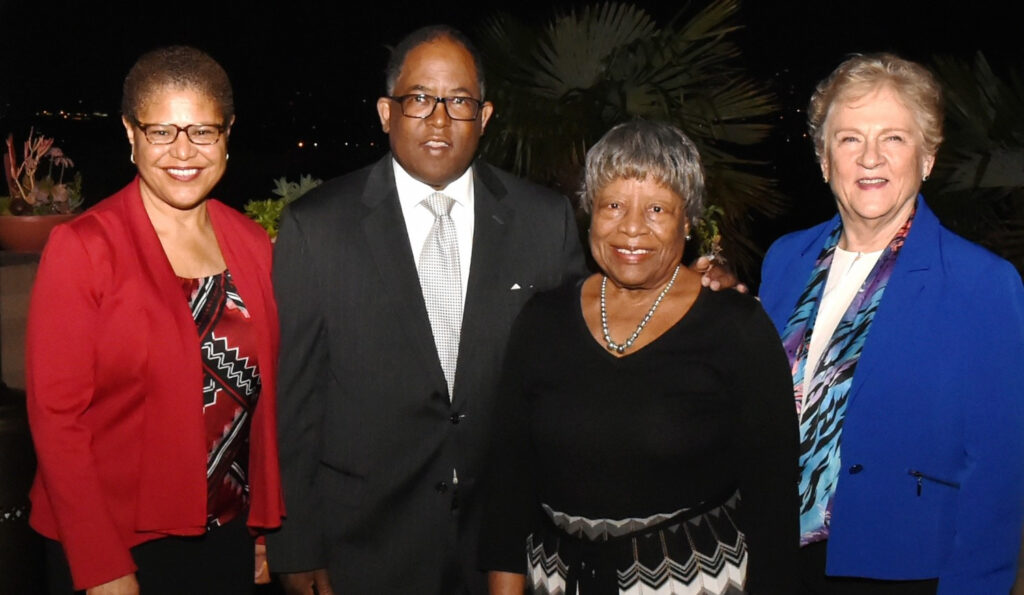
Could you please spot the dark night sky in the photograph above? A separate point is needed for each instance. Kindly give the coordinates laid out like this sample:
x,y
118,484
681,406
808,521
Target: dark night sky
x,y
312,70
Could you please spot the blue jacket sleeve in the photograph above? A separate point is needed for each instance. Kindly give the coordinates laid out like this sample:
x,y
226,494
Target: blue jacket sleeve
x,y
991,504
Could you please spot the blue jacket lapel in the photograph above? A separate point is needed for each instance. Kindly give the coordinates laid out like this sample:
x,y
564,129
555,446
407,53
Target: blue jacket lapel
x,y
905,294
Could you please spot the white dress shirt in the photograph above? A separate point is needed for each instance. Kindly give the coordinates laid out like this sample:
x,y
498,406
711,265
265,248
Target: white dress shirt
x,y
419,219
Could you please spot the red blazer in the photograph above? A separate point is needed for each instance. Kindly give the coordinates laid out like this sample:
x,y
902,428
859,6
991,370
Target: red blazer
x,y
114,381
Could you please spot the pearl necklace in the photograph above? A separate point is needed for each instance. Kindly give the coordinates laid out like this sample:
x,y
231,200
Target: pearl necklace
x,y
612,345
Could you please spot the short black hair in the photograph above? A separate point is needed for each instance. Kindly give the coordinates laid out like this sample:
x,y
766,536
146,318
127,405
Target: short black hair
x,y
176,66
425,35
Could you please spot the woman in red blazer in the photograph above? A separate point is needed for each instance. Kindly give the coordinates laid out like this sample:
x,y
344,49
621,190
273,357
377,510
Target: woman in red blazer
x,y
151,356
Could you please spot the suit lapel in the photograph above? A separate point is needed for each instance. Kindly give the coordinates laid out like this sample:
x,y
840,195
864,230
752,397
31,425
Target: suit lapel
x,y
385,232
793,280
492,219
903,297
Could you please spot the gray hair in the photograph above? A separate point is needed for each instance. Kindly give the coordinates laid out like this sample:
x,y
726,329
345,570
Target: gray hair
x,y
641,150
860,75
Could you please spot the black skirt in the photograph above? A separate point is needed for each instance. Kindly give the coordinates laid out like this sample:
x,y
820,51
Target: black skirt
x,y
221,561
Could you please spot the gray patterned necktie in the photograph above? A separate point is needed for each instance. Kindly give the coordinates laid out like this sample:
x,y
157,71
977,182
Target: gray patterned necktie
x,y
441,281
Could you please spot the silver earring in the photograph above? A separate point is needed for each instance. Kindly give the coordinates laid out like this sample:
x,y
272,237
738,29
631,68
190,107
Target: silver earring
x,y
227,156
131,157
924,178
687,237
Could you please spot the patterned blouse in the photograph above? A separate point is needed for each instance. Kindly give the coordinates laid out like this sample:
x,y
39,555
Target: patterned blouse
x,y
231,386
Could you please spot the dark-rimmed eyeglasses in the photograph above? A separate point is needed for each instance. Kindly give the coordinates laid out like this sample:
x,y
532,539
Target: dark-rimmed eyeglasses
x,y
420,105
165,134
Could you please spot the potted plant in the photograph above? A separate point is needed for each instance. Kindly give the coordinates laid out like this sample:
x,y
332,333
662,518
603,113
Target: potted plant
x,y
36,201
268,212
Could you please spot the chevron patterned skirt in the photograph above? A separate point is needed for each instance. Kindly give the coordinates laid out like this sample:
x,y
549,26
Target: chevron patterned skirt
x,y
694,551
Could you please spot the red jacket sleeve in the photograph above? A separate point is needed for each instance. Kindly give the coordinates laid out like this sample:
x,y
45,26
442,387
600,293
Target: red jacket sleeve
x,y
63,327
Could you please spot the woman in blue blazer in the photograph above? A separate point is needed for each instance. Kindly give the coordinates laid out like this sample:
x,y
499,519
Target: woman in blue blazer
x,y
906,344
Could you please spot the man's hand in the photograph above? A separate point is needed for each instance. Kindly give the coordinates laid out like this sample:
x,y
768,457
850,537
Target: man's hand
x,y
716,276
125,585
505,583
314,582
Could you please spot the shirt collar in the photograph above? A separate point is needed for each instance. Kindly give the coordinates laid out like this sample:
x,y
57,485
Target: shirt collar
x,y
411,191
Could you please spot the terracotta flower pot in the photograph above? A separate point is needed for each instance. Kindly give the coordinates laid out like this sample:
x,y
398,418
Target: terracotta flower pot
x,y
28,233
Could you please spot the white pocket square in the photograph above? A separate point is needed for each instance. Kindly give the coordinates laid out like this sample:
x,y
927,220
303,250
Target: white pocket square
x,y
515,286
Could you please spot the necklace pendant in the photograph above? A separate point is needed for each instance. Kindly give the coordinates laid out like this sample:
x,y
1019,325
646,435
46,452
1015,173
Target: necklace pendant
x,y
621,349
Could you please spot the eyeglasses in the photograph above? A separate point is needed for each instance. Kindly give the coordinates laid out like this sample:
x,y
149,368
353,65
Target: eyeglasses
x,y
420,105
165,134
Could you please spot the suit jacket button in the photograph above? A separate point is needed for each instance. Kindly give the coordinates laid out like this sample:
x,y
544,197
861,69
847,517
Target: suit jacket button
x,y
455,418
856,468
441,487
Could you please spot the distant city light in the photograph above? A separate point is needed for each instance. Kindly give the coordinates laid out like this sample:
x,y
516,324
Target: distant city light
x,y
70,115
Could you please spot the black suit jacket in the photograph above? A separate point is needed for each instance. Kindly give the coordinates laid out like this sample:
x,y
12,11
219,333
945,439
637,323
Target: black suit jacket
x,y
368,435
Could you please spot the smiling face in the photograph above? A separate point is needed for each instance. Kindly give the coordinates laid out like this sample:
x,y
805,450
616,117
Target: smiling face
x,y
435,150
179,175
637,232
874,160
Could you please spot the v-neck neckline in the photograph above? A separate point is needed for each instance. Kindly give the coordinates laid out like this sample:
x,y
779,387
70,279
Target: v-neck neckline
x,y
581,323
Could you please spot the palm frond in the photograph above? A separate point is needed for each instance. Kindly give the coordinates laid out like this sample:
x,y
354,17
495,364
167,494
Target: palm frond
x,y
560,86
977,187
571,53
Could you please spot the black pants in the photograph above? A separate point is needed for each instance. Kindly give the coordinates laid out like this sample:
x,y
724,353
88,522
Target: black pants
x,y
220,562
814,582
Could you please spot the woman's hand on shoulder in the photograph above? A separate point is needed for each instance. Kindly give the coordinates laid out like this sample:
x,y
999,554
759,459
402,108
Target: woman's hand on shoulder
x,y
125,585
716,276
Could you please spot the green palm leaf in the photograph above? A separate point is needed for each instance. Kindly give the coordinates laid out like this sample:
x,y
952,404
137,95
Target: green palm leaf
x,y
572,53
560,86
977,187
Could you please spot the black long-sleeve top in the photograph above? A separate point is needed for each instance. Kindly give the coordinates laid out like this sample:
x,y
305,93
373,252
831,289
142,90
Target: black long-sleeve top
x,y
705,408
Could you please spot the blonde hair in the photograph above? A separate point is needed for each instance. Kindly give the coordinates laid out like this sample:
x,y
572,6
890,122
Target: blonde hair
x,y
860,75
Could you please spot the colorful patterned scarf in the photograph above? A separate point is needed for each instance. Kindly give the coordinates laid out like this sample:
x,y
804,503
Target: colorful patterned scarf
x,y
823,409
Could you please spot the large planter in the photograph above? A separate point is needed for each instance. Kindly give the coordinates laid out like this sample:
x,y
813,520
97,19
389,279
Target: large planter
x,y
28,233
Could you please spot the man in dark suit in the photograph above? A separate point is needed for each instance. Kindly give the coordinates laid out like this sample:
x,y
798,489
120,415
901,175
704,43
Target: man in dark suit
x,y
383,426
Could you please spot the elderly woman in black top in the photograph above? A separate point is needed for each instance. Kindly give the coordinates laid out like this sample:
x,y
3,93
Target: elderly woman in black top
x,y
648,439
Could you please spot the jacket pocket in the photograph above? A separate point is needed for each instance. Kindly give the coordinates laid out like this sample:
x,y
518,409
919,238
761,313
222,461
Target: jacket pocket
x,y
341,486
922,477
